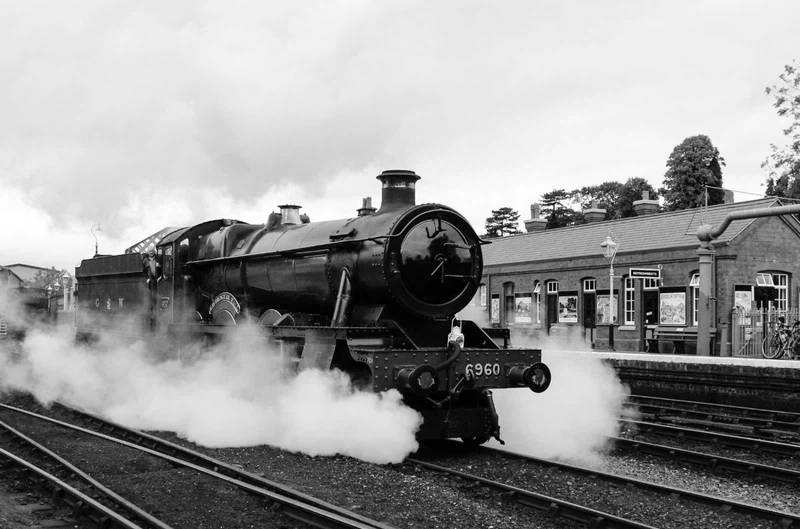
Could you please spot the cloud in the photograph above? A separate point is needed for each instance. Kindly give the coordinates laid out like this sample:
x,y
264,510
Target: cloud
x,y
150,115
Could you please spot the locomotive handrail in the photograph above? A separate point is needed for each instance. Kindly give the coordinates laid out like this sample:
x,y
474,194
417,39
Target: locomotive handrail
x,y
288,253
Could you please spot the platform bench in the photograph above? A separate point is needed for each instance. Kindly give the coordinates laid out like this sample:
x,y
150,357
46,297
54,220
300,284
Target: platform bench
x,y
677,335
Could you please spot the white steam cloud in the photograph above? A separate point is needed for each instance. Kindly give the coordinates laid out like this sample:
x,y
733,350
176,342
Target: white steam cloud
x,y
574,417
239,394
244,394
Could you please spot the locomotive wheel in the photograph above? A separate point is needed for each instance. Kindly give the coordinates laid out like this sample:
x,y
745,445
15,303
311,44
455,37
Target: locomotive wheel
x,y
475,441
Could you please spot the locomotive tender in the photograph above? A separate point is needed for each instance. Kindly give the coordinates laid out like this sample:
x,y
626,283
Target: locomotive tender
x,y
375,295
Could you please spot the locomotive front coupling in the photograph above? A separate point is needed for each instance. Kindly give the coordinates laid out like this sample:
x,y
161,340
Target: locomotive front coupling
x,y
535,377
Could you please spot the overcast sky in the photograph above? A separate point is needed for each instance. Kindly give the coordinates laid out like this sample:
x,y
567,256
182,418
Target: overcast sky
x,y
141,115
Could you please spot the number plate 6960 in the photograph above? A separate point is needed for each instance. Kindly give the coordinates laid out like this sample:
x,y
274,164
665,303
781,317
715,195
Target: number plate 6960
x,y
488,369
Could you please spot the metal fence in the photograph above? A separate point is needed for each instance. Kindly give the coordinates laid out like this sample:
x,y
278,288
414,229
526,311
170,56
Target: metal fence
x,y
750,329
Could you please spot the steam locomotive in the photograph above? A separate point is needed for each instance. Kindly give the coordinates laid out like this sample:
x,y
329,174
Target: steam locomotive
x,y
376,296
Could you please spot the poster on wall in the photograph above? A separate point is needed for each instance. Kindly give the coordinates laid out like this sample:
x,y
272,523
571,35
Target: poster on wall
x,y
495,309
606,309
568,309
672,308
522,308
743,300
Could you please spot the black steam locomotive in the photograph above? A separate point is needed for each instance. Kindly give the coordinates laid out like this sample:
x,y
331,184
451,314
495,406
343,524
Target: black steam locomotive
x,y
375,296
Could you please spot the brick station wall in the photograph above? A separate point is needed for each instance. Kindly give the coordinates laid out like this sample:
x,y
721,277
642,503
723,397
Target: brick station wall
x,y
769,387
768,245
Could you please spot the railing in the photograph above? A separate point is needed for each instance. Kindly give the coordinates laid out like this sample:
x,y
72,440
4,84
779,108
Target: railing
x,y
749,329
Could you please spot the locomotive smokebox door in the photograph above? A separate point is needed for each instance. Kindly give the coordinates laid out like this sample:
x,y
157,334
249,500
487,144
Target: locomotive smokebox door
x,y
318,350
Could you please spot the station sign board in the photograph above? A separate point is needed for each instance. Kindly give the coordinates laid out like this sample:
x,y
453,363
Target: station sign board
x,y
645,273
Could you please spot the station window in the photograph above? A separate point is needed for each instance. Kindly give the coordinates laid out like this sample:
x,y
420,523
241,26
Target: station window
x,y
651,283
765,280
552,287
781,284
482,295
694,284
589,285
508,294
630,305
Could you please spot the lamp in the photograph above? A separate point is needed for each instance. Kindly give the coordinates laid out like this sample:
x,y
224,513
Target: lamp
x,y
96,227
609,248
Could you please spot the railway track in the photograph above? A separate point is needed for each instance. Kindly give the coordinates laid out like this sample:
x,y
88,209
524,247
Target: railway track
x,y
751,422
540,488
295,505
547,477
710,461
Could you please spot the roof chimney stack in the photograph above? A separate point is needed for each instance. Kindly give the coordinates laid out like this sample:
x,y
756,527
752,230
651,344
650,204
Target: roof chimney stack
x,y
645,206
535,223
594,214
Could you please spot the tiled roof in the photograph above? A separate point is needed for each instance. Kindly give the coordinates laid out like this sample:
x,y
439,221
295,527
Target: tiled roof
x,y
661,231
26,272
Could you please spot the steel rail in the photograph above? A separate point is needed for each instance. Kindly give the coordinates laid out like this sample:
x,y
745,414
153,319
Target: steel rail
x,y
755,417
144,516
552,506
785,518
748,443
294,503
79,501
711,461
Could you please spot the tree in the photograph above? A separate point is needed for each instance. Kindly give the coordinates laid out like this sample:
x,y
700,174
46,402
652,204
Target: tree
x,y
560,215
784,162
503,222
47,277
630,192
693,165
606,196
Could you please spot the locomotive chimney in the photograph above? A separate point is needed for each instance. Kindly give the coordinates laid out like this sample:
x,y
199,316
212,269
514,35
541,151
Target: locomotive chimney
x,y
290,214
398,189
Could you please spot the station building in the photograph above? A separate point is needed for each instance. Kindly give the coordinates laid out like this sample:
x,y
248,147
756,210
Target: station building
x,y
557,282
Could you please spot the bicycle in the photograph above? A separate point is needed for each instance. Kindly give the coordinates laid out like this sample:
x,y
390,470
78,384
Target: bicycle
x,y
783,341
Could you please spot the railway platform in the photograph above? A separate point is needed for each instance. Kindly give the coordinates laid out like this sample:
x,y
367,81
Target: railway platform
x,y
748,382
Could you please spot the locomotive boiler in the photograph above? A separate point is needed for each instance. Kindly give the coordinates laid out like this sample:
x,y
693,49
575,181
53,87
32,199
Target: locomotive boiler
x,y
376,296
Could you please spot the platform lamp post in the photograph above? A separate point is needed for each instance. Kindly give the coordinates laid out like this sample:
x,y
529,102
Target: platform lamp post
x,y
65,281
49,289
610,247
95,228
